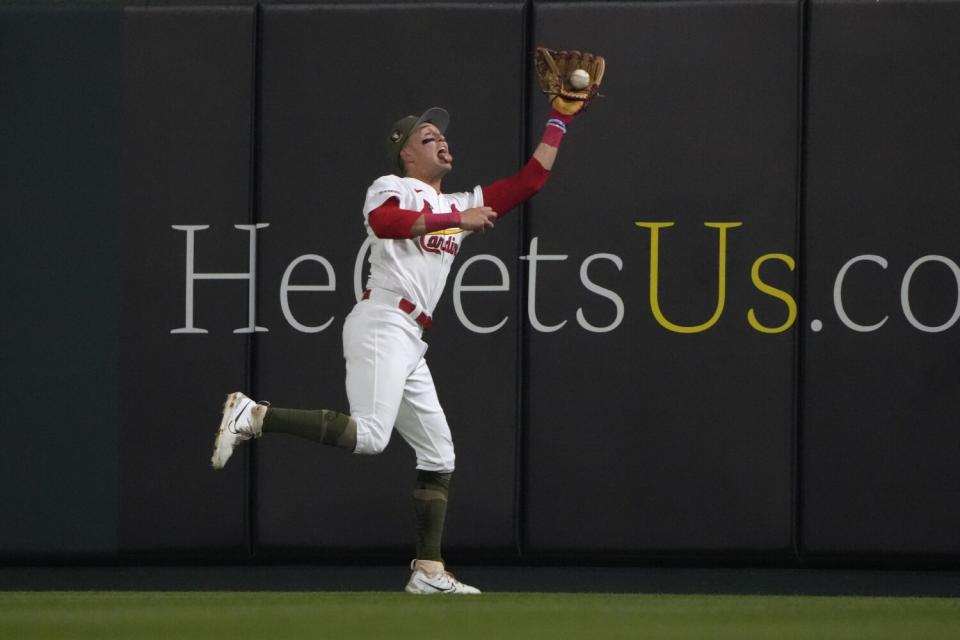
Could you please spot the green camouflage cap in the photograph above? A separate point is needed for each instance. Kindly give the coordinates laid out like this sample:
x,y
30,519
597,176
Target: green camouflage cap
x,y
403,127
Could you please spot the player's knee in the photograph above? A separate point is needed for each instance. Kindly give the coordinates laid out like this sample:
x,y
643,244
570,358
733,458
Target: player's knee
x,y
372,439
376,447
372,446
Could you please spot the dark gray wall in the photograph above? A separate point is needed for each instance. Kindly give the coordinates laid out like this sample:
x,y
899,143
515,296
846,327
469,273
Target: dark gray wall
x,y
880,407
59,153
822,130
641,438
187,156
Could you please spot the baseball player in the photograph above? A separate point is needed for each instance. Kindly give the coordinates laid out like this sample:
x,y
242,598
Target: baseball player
x,y
415,231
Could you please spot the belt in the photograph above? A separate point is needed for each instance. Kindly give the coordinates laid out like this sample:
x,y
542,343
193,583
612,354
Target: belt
x,y
404,305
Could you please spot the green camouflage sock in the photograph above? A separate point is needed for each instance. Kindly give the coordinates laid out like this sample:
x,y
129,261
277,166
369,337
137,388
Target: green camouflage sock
x,y
319,425
430,506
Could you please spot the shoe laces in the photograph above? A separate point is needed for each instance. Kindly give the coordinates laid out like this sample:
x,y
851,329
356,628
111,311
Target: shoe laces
x,y
446,574
453,580
245,425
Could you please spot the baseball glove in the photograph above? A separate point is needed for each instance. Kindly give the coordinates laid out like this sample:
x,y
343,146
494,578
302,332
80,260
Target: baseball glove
x,y
553,72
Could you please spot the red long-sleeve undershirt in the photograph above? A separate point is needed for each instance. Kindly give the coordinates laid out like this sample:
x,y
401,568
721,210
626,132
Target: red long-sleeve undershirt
x,y
503,195
389,221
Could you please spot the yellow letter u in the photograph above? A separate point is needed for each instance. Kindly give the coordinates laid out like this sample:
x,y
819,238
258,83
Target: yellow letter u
x,y
655,268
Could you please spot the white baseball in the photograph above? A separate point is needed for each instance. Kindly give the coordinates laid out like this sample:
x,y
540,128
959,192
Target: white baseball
x,y
579,79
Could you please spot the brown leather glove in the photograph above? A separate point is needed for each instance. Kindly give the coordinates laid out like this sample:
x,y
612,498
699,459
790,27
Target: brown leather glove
x,y
553,72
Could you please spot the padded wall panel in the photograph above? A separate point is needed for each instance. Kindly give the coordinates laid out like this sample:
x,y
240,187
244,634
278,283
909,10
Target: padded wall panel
x,y
58,179
642,439
186,156
880,401
322,138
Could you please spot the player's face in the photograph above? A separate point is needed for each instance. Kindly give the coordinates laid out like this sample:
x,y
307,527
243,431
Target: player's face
x,y
427,153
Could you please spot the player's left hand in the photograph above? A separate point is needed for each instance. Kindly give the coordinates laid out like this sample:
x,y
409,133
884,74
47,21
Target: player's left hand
x,y
553,72
478,219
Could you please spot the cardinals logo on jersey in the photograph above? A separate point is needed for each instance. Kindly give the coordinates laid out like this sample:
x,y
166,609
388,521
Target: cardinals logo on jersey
x,y
436,242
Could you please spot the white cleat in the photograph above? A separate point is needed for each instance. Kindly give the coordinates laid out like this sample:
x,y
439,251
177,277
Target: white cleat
x,y
242,420
423,583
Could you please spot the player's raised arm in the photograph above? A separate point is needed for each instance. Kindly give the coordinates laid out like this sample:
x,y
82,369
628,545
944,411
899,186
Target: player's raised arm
x,y
572,79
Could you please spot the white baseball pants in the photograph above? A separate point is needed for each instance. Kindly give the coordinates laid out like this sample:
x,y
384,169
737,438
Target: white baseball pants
x,y
389,384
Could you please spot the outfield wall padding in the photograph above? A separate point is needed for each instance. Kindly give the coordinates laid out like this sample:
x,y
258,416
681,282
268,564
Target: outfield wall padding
x,y
641,438
59,150
186,163
881,378
184,184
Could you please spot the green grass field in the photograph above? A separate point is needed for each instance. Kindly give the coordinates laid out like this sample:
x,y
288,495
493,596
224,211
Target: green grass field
x,y
273,615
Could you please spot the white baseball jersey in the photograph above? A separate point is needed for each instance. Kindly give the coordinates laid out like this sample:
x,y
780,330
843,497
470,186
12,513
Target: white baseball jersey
x,y
417,268
388,381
